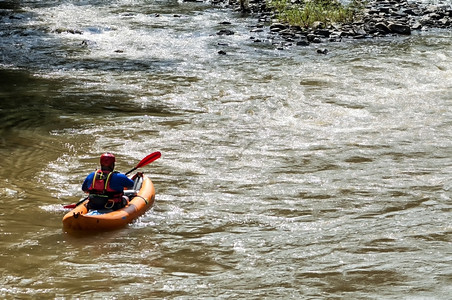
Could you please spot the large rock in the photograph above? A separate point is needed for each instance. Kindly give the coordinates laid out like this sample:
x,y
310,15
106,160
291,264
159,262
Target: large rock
x,y
381,27
400,28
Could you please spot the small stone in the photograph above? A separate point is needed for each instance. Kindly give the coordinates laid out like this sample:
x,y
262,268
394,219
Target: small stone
x,y
225,32
277,27
318,25
317,40
302,43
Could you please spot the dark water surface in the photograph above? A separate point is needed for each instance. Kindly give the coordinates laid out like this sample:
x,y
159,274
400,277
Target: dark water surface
x,y
284,174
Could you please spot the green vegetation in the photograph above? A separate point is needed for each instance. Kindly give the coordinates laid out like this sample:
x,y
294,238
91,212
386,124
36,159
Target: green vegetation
x,y
305,13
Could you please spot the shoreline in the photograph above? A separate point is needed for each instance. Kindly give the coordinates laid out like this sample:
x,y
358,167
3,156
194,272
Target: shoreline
x,y
379,18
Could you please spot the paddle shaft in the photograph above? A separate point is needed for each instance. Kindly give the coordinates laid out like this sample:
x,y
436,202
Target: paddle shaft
x,y
76,204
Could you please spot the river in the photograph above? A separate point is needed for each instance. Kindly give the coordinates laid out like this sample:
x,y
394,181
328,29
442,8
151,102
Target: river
x,y
285,174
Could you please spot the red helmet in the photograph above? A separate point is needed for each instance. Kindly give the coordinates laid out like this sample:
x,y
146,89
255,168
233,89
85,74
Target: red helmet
x,y
107,159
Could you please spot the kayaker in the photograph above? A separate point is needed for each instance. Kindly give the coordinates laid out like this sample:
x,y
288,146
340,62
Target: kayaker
x,y
106,186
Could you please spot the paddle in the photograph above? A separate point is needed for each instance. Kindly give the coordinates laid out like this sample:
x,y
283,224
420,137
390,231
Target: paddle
x,y
145,161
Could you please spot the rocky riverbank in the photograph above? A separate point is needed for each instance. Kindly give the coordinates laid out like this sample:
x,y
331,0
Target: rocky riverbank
x,y
380,18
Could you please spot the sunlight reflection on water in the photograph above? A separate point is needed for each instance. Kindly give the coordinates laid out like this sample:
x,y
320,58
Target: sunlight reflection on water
x,y
283,173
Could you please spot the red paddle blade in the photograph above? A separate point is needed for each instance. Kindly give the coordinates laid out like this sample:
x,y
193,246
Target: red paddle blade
x,y
70,206
148,159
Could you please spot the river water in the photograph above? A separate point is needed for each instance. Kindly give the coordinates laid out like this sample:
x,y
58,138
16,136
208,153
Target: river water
x,y
284,174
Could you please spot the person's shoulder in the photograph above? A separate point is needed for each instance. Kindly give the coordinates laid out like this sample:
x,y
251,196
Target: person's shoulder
x,y
118,174
120,177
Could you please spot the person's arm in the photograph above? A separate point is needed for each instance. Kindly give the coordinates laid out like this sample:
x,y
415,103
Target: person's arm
x,y
125,181
87,183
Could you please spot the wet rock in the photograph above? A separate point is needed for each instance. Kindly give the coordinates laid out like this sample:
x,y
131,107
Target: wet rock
x,y
277,27
286,33
384,9
323,32
221,52
445,22
318,25
335,36
411,11
303,43
67,30
416,26
359,31
381,27
400,28
317,40
310,37
379,18
225,32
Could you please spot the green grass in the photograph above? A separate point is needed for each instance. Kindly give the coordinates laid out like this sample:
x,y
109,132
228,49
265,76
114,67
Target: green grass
x,y
307,12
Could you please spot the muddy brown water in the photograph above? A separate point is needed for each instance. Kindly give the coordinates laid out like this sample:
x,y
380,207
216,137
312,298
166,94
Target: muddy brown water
x,y
284,174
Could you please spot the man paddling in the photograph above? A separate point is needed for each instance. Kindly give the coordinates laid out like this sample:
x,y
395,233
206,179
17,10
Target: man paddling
x,y
106,186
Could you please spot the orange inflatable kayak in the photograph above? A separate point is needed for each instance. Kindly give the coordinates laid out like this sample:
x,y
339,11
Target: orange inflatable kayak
x,y
106,219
